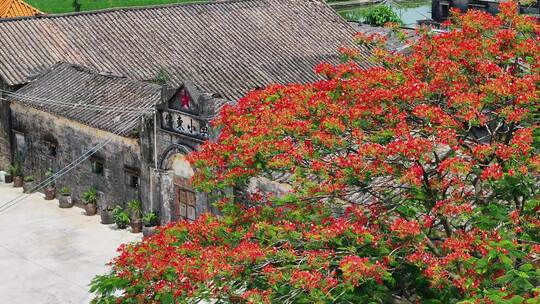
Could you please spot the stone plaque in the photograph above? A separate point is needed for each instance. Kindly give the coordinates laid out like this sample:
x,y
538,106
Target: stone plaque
x,y
184,124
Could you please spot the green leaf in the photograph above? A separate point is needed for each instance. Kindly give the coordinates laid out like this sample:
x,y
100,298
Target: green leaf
x,y
166,298
517,299
506,260
170,274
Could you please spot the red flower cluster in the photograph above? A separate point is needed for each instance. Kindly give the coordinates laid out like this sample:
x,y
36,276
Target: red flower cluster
x,y
403,228
421,172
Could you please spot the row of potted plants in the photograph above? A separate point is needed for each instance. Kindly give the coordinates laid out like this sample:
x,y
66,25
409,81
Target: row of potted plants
x,y
28,182
133,216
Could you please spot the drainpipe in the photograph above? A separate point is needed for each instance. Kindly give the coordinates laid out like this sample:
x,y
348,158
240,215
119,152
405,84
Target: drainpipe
x,y
153,171
155,139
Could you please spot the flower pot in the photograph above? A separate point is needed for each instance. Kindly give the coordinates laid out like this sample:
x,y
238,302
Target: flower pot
x,y
28,186
135,216
65,201
50,193
149,230
121,225
8,179
106,217
17,181
136,225
91,209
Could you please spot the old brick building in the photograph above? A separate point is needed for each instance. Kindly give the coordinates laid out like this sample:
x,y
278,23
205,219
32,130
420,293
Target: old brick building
x,y
68,109
202,56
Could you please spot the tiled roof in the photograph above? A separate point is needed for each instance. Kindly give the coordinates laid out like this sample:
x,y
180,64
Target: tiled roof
x,y
79,94
227,47
393,42
16,8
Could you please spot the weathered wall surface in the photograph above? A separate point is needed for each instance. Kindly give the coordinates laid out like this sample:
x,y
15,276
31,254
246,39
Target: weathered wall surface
x,y
5,147
163,198
73,140
158,183
157,188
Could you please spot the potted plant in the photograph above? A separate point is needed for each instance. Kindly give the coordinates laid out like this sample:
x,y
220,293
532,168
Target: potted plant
x,y
16,174
135,211
29,184
121,218
107,215
50,190
90,198
64,200
150,222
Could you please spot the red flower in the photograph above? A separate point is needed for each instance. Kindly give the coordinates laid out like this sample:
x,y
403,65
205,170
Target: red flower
x,y
404,228
494,172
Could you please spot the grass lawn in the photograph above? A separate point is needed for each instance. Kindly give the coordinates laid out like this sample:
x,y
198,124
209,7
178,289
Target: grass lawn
x,y
65,6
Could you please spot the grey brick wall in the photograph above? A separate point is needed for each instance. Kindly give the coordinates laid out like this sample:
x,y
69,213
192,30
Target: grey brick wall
x,y
73,140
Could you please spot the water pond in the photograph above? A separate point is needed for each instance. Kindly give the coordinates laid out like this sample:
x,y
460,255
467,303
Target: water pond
x,y
410,11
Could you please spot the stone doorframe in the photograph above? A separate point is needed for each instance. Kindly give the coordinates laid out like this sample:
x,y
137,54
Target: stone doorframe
x,y
179,200
170,151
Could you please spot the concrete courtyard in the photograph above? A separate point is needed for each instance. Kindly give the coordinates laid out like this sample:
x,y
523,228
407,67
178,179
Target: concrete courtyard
x,y
48,254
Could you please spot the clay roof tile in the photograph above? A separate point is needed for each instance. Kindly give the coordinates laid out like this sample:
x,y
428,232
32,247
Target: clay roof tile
x,y
16,8
226,47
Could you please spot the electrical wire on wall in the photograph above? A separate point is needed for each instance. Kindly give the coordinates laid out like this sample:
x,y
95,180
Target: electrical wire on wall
x,y
5,206
140,112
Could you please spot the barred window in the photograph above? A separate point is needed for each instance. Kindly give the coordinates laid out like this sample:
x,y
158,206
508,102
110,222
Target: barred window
x,y
98,165
131,177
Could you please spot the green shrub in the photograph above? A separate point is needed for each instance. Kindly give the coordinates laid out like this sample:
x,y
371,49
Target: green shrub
x,y
90,196
380,15
65,191
121,218
135,208
15,170
29,178
150,219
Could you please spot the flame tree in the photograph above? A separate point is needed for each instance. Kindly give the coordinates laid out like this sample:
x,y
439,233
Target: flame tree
x,y
416,181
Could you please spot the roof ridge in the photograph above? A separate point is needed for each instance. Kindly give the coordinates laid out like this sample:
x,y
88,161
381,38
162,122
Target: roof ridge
x,y
134,8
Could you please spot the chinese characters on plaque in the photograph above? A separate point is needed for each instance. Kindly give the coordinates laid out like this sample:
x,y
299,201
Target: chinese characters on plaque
x,y
184,124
